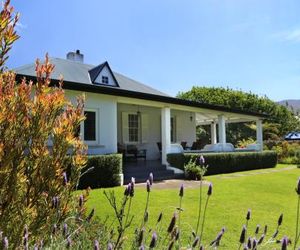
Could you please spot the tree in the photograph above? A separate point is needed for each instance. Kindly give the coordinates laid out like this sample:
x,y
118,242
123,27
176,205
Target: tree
x,y
35,189
279,116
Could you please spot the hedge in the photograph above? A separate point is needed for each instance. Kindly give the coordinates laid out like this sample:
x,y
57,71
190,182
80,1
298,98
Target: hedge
x,y
219,163
106,172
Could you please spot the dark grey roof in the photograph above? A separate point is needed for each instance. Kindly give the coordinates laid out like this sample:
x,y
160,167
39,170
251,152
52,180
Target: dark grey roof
x,y
77,72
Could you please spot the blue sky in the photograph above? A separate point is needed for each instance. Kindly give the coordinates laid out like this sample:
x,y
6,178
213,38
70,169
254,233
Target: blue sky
x,y
172,45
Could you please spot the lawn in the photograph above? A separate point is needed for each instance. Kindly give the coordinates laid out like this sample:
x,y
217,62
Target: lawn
x,y
267,194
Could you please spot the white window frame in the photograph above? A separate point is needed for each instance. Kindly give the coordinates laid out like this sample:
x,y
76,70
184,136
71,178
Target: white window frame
x,y
139,129
89,142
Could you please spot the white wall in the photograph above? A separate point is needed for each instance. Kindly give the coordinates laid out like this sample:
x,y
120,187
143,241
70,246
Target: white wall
x,y
153,135
185,128
105,72
106,107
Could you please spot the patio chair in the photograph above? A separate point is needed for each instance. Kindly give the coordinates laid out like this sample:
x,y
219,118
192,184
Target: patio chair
x,y
132,152
183,144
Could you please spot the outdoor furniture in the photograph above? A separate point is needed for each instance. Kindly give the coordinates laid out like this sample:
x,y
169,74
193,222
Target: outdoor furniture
x,y
132,152
218,147
184,145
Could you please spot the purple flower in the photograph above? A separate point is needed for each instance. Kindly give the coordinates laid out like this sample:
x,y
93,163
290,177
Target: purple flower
x,y
159,217
243,235
131,193
284,243
249,243
81,200
201,247
177,233
257,229
65,178
181,190
217,240
25,230
65,230
96,245
254,243
5,243
109,246
90,215
201,160
69,242
141,236
172,223
196,241
298,187
248,216
127,190
275,234
151,179
54,229
55,202
142,247
25,241
261,239
280,219
148,186
153,240
171,245
209,191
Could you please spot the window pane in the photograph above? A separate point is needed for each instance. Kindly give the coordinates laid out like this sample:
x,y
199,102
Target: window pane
x,y
133,127
90,126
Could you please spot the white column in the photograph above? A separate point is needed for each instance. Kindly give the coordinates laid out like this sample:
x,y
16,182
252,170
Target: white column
x,y
259,134
222,129
165,134
213,132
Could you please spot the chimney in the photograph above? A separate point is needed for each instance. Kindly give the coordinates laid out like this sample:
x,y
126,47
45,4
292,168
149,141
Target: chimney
x,y
75,56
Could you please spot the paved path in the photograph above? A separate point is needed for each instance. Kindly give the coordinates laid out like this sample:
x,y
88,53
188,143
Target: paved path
x,y
174,184
255,172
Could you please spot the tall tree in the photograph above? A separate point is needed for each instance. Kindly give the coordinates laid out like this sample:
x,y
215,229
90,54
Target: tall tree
x,y
283,118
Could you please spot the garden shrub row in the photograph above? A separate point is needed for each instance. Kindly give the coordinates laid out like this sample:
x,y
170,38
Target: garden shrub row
x,y
106,172
219,163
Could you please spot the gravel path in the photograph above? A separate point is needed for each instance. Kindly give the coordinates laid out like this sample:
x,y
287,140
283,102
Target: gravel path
x,y
175,184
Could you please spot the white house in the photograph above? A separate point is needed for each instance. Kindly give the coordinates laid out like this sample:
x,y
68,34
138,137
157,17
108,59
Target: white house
x,y
120,110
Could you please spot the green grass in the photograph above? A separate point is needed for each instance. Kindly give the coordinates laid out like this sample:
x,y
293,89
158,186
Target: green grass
x,y
266,194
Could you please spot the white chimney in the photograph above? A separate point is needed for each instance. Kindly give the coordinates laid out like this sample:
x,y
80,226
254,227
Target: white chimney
x,y
75,56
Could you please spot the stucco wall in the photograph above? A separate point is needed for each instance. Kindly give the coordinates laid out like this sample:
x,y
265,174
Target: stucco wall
x,y
185,127
106,108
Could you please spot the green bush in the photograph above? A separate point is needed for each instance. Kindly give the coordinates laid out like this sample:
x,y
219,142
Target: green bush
x,y
106,172
194,171
227,162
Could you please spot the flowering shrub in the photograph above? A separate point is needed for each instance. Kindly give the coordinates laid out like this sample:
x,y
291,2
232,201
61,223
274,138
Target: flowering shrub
x,y
288,153
195,168
34,185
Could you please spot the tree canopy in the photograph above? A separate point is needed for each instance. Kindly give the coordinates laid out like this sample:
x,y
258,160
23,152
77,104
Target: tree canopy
x,y
238,99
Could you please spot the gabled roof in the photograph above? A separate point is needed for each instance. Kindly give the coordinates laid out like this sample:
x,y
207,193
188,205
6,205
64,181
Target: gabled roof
x,y
94,72
79,76
80,73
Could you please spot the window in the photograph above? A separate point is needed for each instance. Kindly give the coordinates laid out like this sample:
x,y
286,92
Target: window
x,y
104,79
90,126
173,129
133,127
